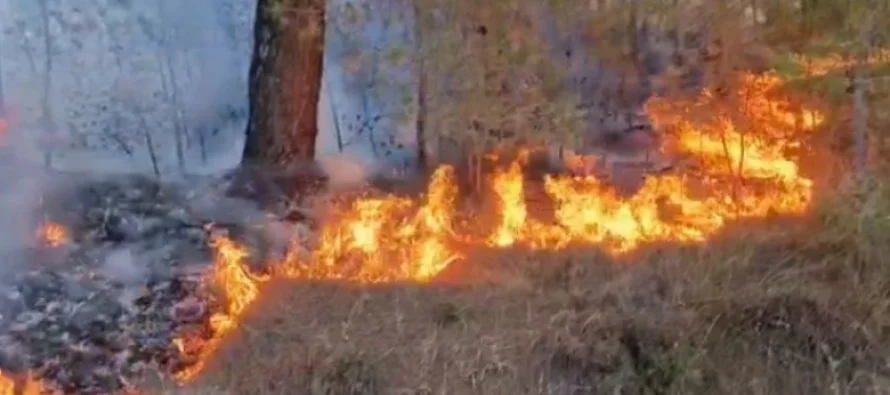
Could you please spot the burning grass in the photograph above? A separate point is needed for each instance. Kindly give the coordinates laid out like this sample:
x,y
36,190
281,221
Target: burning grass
x,y
384,240
787,309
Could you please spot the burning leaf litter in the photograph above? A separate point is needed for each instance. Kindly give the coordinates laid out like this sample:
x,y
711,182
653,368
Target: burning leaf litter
x,y
181,319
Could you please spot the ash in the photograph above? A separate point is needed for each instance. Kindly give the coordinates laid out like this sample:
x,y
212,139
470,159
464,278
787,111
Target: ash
x,y
94,314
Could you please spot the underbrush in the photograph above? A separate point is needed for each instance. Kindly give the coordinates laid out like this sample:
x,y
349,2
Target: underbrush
x,y
793,307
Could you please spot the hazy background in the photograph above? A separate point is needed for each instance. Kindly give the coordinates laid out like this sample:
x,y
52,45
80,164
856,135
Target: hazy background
x,y
112,75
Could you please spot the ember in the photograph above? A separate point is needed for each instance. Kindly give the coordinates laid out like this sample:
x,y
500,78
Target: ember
x,y
53,234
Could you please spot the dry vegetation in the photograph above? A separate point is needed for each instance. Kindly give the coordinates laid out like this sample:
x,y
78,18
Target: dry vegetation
x,y
764,311
788,307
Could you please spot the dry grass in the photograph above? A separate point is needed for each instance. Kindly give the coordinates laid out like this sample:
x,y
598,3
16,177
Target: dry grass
x,y
797,307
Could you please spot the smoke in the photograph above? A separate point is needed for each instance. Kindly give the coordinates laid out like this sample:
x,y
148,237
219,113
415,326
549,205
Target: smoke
x,y
21,195
121,266
346,171
190,59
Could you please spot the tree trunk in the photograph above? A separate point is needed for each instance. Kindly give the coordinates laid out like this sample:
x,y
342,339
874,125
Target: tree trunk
x,y
285,81
47,121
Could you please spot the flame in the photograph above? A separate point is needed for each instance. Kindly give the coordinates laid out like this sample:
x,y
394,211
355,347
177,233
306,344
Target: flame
x,y
385,239
743,174
509,191
376,240
53,234
239,289
11,386
744,171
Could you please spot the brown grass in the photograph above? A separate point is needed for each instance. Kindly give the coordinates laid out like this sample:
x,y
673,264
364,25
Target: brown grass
x,y
798,307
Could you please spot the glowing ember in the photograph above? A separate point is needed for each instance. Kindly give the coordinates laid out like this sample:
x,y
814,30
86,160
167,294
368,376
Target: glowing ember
x,y
24,386
53,234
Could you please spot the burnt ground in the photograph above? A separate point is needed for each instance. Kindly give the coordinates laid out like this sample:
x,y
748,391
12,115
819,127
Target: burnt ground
x,y
100,309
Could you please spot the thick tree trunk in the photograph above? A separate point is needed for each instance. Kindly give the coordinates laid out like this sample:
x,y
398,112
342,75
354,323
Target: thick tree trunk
x,y
285,81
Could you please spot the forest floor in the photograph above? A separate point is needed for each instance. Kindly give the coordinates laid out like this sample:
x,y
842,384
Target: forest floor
x,y
792,307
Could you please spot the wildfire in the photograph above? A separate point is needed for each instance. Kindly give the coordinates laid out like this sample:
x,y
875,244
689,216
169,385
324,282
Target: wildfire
x,y
742,170
27,386
742,174
53,234
376,240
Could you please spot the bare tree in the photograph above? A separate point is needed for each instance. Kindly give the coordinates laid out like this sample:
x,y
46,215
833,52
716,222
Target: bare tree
x,y
47,121
170,86
285,81
420,121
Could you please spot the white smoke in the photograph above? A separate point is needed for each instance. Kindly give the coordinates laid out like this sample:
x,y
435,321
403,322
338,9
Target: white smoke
x,y
346,171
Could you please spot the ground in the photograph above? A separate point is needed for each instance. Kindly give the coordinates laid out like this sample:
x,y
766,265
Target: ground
x,y
781,308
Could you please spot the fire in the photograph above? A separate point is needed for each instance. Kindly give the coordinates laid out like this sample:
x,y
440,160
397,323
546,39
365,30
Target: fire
x,y
385,239
509,190
53,234
376,240
28,386
743,174
742,170
239,289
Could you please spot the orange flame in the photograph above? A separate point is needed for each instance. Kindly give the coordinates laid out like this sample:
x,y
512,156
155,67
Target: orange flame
x,y
239,288
375,233
377,240
668,208
22,386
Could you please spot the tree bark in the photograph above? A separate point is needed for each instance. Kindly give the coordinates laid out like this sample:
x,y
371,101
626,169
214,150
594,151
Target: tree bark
x,y
285,81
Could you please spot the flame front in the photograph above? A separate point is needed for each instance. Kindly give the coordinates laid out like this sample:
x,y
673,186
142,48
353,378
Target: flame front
x,y
741,174
238,288
742,171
